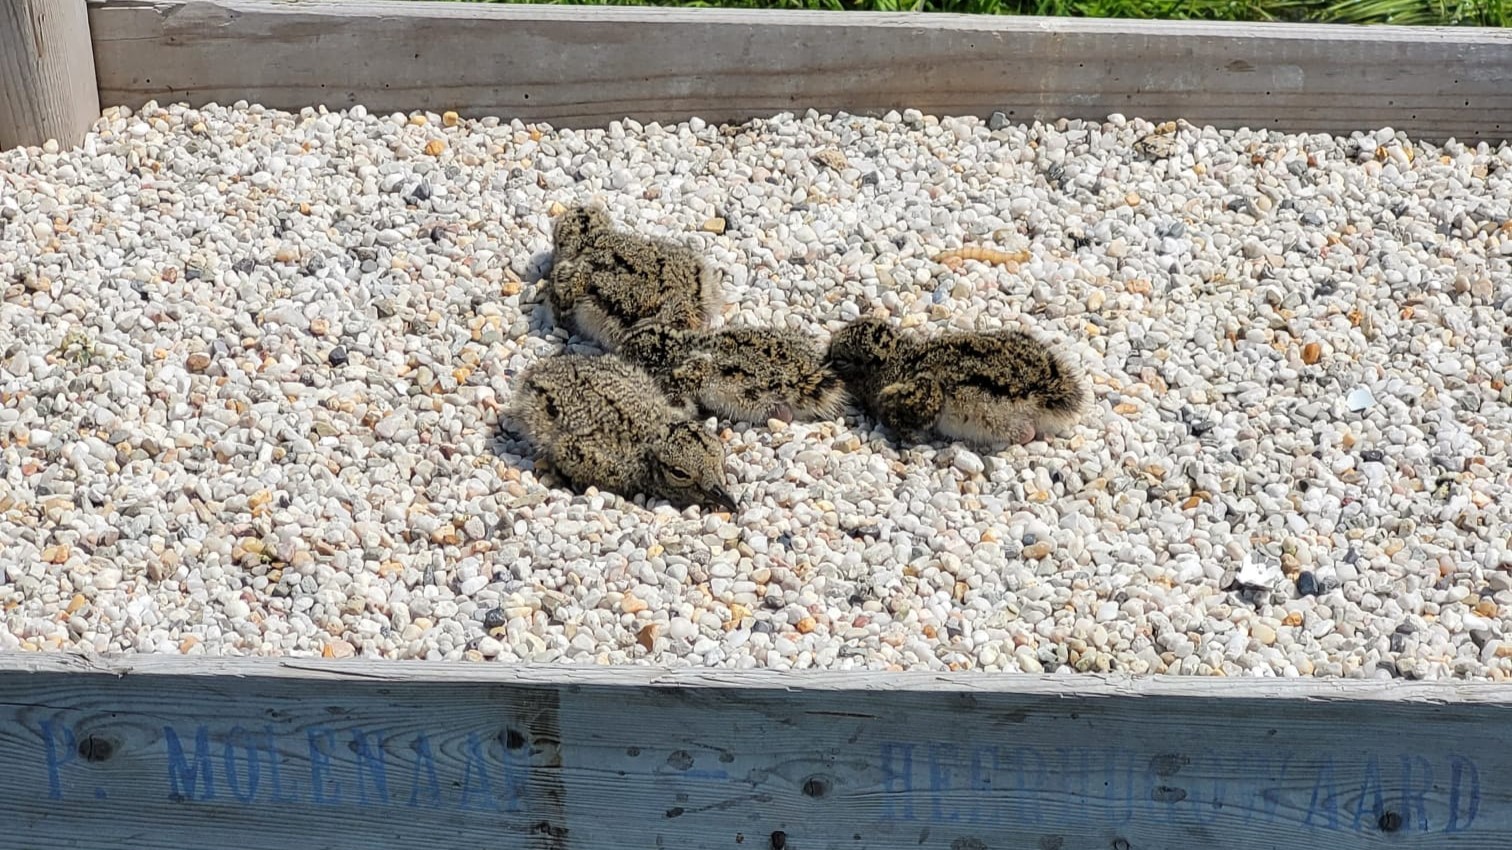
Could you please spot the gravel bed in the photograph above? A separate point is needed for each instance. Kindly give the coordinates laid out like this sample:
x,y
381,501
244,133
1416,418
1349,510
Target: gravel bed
x,y
252,364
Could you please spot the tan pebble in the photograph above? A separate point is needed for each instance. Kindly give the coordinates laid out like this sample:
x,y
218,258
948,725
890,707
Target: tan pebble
x,y
1292,619
776,425
417,120
632,604
56,554
1504,650
304,207
1132,199
738,613
76,603
1038,550
286,254
806,625
555,209
989,536
1394,547
646,637
1126,408
1191,502
197,362
450,119
831,158
339,649
187,644
1487,608
1096,300
1138,286
319,326
1312,353
654,550
435,147
510,287
157,570
714,225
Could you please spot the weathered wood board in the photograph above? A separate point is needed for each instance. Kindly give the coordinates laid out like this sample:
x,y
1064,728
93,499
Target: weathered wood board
x,y
47,74
576,66
202,753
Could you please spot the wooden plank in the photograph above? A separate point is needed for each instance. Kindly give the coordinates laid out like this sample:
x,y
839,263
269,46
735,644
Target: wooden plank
x,y
47,75
575,66
208,753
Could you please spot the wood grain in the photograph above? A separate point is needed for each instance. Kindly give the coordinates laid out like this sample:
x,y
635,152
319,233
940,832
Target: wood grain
x,y
47,74
158,752
575,66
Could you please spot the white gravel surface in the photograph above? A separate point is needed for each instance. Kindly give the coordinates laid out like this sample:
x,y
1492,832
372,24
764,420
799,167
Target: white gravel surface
x,y
252,362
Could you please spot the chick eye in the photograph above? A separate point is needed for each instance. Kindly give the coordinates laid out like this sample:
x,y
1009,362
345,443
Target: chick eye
x,y
677,476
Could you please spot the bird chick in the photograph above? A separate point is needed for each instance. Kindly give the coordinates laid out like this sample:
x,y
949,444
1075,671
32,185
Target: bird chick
x,y
743,373
602,422
981,388
574,227
603,279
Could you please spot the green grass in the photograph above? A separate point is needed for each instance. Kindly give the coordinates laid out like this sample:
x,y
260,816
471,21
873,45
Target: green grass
x,y
1486,13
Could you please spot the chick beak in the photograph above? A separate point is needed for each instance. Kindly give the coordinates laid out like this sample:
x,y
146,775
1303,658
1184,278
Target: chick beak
x,y
720,498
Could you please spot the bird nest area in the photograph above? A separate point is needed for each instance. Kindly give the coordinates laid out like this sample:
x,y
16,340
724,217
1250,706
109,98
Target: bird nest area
x,y
253,366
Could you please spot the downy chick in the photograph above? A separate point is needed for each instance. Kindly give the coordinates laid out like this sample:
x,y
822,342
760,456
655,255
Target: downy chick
x,y
603,279
987,389
742,373
602,422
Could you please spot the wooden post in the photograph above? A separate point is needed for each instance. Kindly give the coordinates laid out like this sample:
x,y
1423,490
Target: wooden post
x,y
47,72
149,751
578,66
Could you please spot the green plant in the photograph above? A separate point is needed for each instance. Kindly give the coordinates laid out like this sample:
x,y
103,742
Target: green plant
x,y
77,348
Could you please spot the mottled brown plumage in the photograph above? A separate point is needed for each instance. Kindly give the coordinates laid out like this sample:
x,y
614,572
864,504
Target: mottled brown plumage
x,y
980,388
748,374
603,422
604,279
